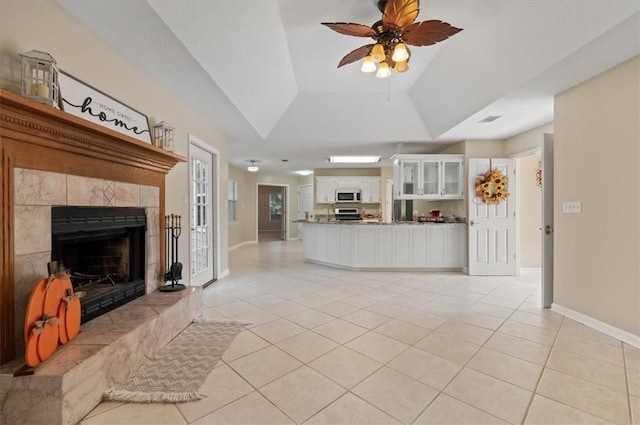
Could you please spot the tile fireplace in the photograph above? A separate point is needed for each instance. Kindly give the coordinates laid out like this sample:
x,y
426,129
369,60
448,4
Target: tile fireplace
x,y
52,163
103,250
50,159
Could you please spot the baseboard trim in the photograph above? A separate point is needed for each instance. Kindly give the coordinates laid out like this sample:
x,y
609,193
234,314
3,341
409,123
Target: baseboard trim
x,y
224,274
236,246
530,270
605,328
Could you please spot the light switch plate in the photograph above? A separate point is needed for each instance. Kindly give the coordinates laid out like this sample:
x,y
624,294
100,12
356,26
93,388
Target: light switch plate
x,y
572,207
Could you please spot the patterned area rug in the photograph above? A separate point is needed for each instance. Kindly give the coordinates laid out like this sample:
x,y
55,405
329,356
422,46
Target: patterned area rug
x,y
179,369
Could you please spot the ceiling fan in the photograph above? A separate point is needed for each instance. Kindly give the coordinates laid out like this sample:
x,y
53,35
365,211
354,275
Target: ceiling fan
x,y
392,33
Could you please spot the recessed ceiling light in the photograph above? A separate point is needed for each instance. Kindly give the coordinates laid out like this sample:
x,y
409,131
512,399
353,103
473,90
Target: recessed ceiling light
x,y
354,159
304,172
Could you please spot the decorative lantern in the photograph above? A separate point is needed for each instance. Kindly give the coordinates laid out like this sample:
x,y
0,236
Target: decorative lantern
x,y
163,135
40,78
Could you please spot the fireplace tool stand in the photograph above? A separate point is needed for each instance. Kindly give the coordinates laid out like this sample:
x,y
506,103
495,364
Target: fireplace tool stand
x,y
173,274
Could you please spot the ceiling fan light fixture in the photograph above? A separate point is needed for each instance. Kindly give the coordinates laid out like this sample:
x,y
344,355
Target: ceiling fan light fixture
x,y
377,52
401,66
368,64
383,70
400,53
392,34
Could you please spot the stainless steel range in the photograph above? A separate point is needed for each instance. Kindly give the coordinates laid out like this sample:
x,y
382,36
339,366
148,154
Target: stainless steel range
x,y
347,213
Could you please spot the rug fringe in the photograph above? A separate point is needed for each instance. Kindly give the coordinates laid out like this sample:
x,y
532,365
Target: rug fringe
x,y
223,321
150,397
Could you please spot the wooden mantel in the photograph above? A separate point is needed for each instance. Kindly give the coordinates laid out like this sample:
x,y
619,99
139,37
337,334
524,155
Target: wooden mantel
x,y
36,136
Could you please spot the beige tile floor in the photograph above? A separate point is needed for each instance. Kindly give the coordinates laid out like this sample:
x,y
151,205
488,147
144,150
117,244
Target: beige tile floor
x,y
330,346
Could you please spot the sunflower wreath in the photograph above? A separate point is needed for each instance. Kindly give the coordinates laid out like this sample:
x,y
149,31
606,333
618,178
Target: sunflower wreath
x,y
492,187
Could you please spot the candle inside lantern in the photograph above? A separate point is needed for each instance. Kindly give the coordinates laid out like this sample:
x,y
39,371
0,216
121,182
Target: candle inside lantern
x,y
40,90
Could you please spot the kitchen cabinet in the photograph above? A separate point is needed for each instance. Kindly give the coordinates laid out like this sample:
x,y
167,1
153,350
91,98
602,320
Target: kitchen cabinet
x,y
326,186
348,182
365,242
370,187
387,246
326,190
428,176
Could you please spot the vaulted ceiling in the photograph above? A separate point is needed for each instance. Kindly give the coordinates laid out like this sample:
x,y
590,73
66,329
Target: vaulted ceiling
x,y
264,71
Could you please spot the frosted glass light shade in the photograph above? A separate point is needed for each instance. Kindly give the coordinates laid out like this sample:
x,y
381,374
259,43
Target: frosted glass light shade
x,y
368,64
377,52
383,70
401,66
400,53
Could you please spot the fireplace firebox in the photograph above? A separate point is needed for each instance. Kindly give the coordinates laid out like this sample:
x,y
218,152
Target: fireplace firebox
x,y
103,250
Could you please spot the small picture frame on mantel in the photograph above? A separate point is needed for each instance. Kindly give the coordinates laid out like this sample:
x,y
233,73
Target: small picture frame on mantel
x,y
88,103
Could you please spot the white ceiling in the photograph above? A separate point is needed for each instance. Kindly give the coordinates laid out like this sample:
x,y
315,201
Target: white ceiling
x,y
264,71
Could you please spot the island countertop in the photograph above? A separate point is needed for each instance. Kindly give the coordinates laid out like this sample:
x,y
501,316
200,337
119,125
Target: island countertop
x,y
378,223
386,246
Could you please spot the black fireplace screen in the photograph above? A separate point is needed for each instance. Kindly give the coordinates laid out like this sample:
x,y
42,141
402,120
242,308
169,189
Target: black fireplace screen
x,y
103,250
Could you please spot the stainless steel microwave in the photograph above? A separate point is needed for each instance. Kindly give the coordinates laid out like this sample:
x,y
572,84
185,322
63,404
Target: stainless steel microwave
x,y
348,195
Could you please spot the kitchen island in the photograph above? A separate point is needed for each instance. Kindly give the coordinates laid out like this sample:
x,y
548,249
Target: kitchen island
x,y
382,246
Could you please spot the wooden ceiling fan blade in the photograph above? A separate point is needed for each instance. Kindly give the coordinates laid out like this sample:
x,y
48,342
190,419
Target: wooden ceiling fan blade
x,y
347,28
428,32
355,55
399,14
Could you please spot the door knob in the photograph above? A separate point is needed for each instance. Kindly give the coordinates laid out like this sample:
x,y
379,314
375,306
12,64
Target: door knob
x,y
548,229
471,223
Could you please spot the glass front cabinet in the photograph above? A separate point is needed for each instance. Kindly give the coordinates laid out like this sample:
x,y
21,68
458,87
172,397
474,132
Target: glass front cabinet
x,y
428,176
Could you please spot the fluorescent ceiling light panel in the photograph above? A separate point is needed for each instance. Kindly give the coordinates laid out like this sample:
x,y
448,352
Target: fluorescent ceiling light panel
x,y
354,159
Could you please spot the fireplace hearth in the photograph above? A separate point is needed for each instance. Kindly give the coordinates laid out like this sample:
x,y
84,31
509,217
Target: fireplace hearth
x,y
103,249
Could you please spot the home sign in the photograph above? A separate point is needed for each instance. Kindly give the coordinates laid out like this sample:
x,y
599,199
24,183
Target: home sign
x,y
84,101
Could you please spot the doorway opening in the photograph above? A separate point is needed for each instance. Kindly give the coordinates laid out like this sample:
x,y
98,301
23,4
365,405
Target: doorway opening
x,y
528,212
272,212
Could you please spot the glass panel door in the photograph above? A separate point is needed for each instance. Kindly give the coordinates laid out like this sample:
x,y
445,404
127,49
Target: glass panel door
x,y
452,184
430,170
201,216
409,176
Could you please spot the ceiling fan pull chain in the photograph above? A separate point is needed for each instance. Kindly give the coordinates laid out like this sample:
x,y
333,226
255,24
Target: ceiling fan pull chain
x,y
388,91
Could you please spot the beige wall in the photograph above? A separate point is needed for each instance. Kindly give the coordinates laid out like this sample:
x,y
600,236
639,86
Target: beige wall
x,y
239,231
527,141
346,172
597,158
245,229
44,25
529,212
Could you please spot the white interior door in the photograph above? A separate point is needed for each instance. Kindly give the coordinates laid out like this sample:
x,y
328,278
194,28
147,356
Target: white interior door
x,y
491,226
547,221
201,182
305,205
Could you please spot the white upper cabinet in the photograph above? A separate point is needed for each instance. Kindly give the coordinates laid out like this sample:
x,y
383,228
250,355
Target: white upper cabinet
x,y
326,188
427,176
370,187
